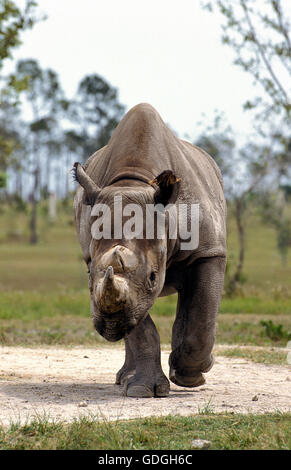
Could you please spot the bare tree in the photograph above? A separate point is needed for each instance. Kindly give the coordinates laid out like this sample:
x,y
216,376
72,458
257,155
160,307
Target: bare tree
x,y
45,97
243,169
259,34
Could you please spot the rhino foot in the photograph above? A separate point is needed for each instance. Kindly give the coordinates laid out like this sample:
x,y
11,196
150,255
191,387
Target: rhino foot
x,y
184,381
143,387
123,374
189,376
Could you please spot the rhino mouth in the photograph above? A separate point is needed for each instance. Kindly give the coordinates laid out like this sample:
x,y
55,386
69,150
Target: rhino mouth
x,y
114,329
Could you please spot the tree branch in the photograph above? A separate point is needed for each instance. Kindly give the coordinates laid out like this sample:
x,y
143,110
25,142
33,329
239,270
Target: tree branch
x,y
278,9
262,53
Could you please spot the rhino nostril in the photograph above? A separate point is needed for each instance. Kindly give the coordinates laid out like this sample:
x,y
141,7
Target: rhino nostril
x,y
121,262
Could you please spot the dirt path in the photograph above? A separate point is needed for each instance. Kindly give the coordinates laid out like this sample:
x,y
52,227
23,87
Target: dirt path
x,y
55,381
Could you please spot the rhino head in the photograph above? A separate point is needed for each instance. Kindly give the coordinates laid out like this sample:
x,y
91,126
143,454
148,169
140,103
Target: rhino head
x,y
126,275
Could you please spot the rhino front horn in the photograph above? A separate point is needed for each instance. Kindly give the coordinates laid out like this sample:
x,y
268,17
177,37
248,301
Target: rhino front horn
x,y
112,292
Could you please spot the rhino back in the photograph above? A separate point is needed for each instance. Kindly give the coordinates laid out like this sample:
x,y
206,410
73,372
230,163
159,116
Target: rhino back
x,y
141,147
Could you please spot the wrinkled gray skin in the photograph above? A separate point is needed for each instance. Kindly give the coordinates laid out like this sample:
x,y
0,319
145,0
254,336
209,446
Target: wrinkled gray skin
x,y
126,276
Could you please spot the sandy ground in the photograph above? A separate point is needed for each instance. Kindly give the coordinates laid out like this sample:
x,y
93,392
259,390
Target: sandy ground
x,y
66,383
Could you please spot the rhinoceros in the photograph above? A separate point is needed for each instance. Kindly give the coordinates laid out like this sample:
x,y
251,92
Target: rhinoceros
x,y
144,163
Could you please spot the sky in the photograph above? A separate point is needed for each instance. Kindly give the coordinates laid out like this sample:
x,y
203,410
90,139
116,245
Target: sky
x,y
164,52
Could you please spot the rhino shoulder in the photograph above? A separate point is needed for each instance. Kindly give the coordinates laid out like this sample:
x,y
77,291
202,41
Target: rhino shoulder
x,y
210,160
91,163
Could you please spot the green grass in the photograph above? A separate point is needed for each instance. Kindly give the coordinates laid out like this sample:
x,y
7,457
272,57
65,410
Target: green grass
x,y
256,305
224,431
260,356
247,329
34,305
55,263
263,266
63,316
28,305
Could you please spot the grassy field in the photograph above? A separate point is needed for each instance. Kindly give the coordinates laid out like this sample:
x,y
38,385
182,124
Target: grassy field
x,y
61,323
44,300
224,431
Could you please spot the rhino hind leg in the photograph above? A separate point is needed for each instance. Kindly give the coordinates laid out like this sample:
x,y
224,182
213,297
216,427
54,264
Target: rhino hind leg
x,y
195,326
148,378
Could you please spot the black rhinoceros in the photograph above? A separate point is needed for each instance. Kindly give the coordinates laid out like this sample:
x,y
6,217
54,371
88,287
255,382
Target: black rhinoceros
x,y
145,164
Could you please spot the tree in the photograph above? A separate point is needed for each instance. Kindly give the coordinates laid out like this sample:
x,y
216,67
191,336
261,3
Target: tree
x,y
217,139
259,34
274,213
11,143
45,99
13,21
73,146
243,169
97,110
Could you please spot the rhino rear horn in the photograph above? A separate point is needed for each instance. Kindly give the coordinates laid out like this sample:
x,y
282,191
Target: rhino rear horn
x,y
91,188
168,187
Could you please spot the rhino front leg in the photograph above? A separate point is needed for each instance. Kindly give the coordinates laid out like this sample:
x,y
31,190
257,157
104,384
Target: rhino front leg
x,y
195,325
128,368
148,379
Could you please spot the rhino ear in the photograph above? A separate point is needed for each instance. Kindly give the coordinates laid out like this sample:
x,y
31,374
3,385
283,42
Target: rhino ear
x,y
91,189
168,187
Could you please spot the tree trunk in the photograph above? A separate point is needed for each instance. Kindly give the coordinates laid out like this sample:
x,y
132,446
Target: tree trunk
x,y
33,219
34,195
48,173
67,174
19,183
239,210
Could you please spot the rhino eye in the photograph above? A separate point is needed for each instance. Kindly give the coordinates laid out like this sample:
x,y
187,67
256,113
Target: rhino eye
x,y
152,276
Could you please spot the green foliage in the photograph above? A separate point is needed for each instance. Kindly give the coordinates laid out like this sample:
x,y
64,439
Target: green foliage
x,y
9,143
17,204
275,332
3,179
287,190
13,21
